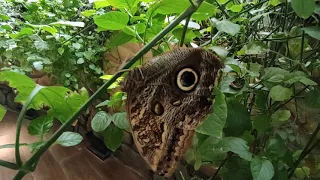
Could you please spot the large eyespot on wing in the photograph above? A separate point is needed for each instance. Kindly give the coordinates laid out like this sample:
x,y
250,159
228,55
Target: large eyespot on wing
x,y
187,79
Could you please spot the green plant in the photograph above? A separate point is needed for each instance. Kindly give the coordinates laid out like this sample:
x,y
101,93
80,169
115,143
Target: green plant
x,y
271,51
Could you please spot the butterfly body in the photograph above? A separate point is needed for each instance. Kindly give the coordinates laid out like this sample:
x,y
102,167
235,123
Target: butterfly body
x,y
167,99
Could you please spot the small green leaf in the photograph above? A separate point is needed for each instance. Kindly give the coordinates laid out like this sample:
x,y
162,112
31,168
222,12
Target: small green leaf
x,y
123,3
236,8
69,139
170,7
255,47
275,148
221,51
101,3
261,123
215,122
23,31
40,126
303,8
120,120
302,172
113,137
237,168
205,11
101,121
261,169
313,31
104,103
228,27
114,20
274,2
312,99
273,71
119,39
2,112
80,61
4,17
49,29
281,115
235,145
88,13
279,93
68,23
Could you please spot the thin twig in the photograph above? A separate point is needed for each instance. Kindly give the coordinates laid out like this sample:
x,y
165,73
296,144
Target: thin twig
x,y
184,31
9,165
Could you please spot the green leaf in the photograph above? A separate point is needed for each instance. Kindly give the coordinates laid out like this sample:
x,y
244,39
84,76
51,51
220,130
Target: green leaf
x,y
189,36
49,29
101,121
313,31
119,39
114,20
236,8
303,8
255,47
68,23
225,85
281,115
235,145
302,173
104,103
236,168
40,126
238,119
274,2
120,120
312,99
220,51
275,148
261,123
64,101
172,7
113,137
274,71
261,169
4,17
88,13
215,122
279,93
205,11
101,3
209,152
68,139
228,27
23,31
123,3
2,112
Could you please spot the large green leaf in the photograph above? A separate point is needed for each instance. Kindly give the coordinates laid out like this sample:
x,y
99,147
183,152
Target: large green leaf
x,y
303,8
209,152
238,119
119,39
279,93
261,169
120,120
61,101
101,121
113,137
313,31
40,125
312,99
235,145
2,112
69,139
227,27
215,122
114,20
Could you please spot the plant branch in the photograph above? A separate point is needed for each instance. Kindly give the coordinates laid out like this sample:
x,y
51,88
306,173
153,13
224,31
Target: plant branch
x,y
191,9
185,28
9,165
19,122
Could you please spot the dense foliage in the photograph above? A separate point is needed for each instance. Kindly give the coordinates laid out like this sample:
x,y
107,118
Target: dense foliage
x,y
265,115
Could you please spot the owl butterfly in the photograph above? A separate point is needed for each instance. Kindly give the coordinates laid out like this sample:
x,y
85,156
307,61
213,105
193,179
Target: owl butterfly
x,y
167,99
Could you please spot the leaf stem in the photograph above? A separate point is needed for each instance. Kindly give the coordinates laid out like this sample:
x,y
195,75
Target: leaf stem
x,y
191,9
19,122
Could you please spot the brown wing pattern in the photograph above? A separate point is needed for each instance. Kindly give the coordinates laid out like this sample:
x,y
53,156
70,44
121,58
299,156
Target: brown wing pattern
x,y
162,115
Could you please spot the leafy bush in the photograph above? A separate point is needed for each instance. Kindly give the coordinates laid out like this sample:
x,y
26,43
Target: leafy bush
x,y
264,119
